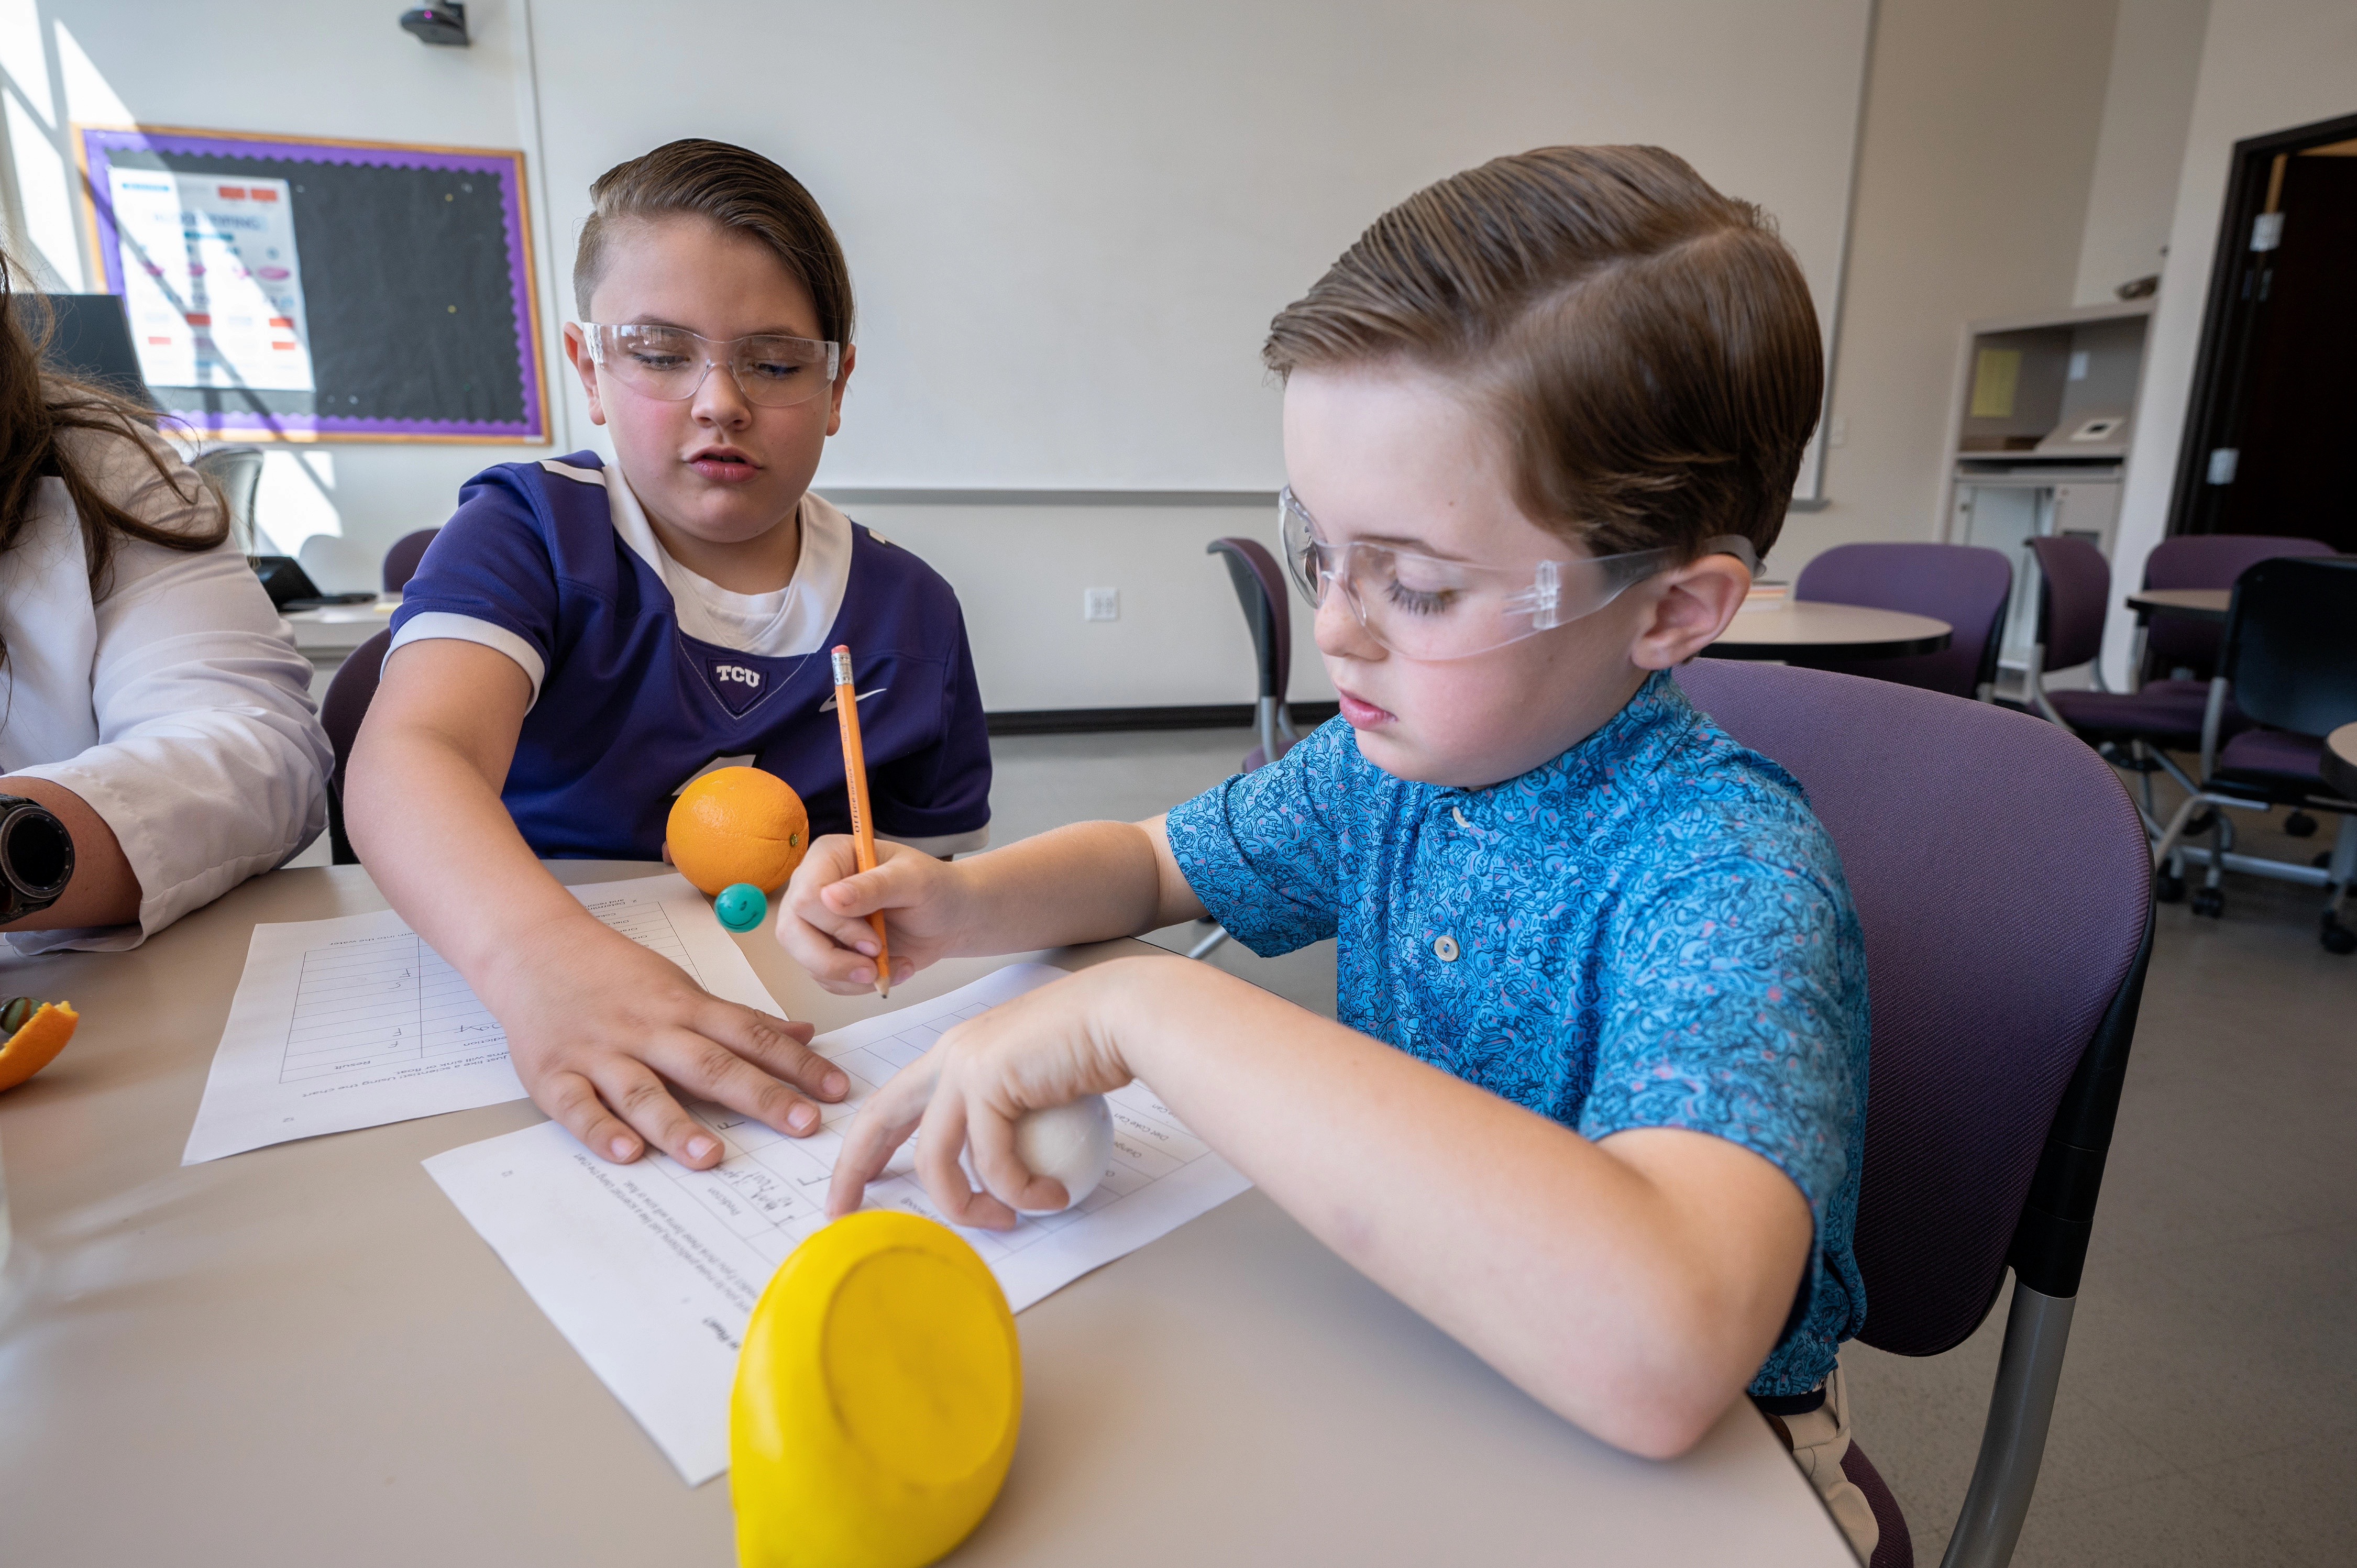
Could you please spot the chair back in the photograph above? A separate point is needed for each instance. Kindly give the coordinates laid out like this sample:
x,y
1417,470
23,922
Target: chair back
x,y
400,561
236,472
2002,880
2075,589
2291,643
2204,561
341,710
1963,585
1260,588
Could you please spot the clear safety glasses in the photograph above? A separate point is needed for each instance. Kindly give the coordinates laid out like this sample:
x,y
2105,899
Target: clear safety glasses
x,y
1428,609
670,364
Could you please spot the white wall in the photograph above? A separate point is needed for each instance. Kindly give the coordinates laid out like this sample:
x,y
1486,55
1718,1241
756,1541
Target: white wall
x,y
2266,65
2147,104
1978,156
1978,149
337,69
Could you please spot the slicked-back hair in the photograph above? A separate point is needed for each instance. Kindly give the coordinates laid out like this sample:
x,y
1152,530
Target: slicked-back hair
x,y
1646,344
739,190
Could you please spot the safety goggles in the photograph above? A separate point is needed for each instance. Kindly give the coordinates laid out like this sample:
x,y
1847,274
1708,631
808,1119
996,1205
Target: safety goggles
x,y
670,364
1425,608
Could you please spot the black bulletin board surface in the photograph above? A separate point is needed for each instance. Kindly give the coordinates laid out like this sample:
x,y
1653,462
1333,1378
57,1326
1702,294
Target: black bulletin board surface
x,y
418,292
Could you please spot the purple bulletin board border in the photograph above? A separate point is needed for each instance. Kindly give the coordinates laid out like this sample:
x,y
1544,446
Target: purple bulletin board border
x,y
97,146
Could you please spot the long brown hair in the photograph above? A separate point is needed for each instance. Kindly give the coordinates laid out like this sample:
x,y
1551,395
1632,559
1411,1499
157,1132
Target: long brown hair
x,y
37,406
1645,344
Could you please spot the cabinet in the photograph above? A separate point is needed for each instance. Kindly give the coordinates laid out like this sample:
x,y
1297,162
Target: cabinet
x,y
2038,439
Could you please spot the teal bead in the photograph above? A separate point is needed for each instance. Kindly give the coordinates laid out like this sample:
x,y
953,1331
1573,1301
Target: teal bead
x,y
741,906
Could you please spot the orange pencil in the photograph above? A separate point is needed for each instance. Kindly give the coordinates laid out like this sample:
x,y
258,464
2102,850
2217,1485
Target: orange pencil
x,y
854,780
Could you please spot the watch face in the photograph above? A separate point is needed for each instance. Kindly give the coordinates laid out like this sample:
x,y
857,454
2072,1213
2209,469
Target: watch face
x,y
36,852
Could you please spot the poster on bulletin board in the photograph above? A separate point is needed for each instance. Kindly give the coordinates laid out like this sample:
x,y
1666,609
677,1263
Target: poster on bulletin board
x,y
303,290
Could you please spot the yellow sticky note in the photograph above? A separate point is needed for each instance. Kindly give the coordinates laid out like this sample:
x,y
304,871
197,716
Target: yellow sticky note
x,y
1995,374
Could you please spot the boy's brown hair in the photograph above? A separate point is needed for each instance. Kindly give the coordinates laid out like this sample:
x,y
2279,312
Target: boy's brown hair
x,y
1647,343
739,190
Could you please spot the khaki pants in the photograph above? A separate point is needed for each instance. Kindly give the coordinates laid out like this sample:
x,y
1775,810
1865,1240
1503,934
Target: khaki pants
x,y
1818,1441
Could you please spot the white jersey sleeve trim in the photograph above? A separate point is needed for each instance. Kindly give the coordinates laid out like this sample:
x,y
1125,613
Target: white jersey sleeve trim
x,y
585,475
945,844
447,626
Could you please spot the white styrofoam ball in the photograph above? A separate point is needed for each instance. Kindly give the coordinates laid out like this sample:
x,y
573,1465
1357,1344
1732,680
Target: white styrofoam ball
x,y
1073,1144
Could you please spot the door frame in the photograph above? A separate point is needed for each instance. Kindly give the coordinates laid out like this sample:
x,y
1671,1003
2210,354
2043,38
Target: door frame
x,y
2225,323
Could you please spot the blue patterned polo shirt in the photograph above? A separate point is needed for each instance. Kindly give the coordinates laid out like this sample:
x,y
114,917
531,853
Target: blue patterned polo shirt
x,y
1651,930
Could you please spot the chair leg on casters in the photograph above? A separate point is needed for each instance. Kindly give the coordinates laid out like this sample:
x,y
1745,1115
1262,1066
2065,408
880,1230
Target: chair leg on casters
x,y
1203,947
2336,937
2036,1331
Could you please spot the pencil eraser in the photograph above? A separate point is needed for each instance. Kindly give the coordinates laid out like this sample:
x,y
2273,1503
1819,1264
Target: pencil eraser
x,y
741,906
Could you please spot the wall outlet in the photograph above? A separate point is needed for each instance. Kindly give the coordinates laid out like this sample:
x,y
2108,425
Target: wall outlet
x,y
1837,431
1100,604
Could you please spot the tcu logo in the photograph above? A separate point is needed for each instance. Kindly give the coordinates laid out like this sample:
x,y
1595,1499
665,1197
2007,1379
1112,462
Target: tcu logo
x,y
737,672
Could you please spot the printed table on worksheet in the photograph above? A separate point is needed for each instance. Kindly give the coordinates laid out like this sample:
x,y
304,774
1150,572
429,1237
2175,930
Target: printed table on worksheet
x,y
652,1270
771,1191
377,1001
355,1022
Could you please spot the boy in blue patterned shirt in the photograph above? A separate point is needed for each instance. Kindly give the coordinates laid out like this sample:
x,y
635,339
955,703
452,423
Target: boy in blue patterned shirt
x,y
1595,1101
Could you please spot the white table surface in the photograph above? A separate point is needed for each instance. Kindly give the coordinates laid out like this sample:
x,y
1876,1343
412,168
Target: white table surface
x,y
334,630
304,1355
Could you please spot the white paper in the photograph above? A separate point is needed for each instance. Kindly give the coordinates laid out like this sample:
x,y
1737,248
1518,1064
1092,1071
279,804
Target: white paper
x,y
354,1022
650,1270
210,280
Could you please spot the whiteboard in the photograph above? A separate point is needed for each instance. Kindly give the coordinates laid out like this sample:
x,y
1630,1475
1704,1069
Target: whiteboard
x,y
1069,221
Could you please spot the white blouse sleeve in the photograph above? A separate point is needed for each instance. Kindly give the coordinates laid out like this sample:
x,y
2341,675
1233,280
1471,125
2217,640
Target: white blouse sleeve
x,y
204,754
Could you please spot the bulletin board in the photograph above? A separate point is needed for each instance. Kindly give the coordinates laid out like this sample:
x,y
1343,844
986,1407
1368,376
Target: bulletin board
x,y
293,289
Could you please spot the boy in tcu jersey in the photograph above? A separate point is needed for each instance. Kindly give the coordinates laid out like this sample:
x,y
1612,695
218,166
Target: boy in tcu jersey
x,y
581,640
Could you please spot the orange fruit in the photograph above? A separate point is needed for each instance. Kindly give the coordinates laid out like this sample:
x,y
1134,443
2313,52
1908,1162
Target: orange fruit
x,y
738,824
37,1042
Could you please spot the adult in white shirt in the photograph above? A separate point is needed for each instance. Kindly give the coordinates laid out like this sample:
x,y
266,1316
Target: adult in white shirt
x,y
150,696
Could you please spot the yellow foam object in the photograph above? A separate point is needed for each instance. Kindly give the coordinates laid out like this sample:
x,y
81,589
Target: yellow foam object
x,y
877,1400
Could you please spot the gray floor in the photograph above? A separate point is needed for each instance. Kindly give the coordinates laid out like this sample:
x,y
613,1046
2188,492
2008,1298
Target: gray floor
x,y
2208,1411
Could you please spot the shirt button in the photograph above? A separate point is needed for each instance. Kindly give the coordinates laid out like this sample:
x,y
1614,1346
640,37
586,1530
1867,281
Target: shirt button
x,y
1445,950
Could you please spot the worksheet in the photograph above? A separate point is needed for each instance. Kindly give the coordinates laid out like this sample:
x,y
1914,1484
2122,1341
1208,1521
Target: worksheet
x,y
650,1270
355,1022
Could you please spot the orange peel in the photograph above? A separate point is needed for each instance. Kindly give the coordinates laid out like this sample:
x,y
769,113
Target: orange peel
x,y
738,824
36,1043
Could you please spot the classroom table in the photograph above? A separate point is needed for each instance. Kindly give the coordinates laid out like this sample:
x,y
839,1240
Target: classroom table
x,y
2194,604
2339,764
331,632
1809,631
304,1355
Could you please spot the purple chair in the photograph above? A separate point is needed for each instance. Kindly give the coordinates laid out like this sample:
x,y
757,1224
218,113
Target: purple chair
x,y
400,561
2290,656
2135,731
2187,643
340,713
2002,882
1260,588
1963,585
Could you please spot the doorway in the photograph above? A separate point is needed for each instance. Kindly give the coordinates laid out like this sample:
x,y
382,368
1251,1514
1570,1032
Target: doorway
x,y
2271,435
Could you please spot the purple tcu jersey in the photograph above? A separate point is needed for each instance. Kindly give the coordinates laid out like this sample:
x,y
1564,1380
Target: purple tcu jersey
x,y
553,563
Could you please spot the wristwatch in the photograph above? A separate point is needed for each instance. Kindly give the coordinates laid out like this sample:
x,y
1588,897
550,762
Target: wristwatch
x,y
36,858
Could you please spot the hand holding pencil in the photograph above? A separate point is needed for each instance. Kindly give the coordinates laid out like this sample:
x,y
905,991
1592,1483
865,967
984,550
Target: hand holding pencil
x,y
854,780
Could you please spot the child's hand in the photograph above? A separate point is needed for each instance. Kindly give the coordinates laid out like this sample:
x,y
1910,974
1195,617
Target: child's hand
x,y
823,917
1045,1048
598,1025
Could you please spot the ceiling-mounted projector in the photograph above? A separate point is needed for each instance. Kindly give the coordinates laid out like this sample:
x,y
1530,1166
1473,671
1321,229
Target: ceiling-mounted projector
x,y
437,24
